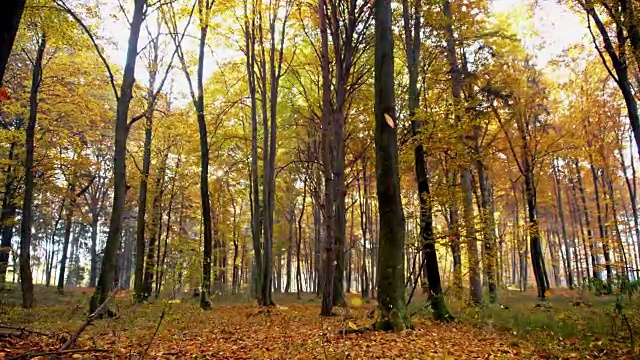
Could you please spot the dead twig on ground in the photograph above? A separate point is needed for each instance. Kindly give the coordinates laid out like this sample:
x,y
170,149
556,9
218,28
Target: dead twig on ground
x,y
74,337
59,352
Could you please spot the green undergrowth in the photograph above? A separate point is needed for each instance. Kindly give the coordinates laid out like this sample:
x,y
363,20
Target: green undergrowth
x,y
569,323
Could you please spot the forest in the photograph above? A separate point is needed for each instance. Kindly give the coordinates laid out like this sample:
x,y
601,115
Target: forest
x,y
319,179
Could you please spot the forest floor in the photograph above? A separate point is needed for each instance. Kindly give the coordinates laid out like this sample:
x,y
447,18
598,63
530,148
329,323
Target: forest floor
x,y
572,324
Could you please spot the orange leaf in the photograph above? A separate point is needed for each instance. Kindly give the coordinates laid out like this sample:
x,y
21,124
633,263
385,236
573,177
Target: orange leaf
x,y
4,94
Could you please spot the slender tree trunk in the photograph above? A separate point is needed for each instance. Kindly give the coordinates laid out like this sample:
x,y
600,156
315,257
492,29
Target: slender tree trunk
x,y
299,237
537,258
53,245
7,217
67,237
594,259
567,247
154,232
603,237
427,239
288,266
108,269
142,210
475,286
328,161
364,205
26,280
454,237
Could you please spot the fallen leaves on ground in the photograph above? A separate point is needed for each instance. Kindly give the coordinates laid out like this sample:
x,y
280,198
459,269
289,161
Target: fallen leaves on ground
x,y
291,332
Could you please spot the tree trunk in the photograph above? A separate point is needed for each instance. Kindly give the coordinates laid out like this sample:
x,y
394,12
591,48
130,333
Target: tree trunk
x,y
256,214
26,280
299,237
7,217
475,286
391,302
565,240
108,269
619,61
9,23
603,237
427,239
142,209
154,232
454,238
288,265
67,236
632,199
537,259
364,205
585,209
53,247
328,161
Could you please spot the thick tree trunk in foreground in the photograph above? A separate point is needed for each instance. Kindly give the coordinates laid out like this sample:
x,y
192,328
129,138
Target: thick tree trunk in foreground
x,y
10,18
26,280
391,302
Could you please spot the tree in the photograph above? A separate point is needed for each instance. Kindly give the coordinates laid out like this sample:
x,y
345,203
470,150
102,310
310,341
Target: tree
x,y
10,21
412,28
391,303
28,298
108,268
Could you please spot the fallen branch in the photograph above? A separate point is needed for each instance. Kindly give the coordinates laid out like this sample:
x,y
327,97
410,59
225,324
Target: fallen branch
x,y
74,337
22,330
59,352
164,311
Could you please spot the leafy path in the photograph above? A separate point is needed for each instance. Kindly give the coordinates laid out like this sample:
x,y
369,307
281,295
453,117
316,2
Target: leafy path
x,y
292,332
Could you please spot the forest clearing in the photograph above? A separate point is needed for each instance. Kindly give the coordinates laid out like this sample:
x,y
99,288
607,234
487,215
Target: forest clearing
x,y
570,326
319,179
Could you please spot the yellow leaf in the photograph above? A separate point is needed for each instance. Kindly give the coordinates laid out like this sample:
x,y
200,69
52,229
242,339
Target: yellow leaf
x,y
352,326
547,293
389,120
355,301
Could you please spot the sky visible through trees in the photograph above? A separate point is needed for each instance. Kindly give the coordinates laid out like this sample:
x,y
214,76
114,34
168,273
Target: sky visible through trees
x,y
363,170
